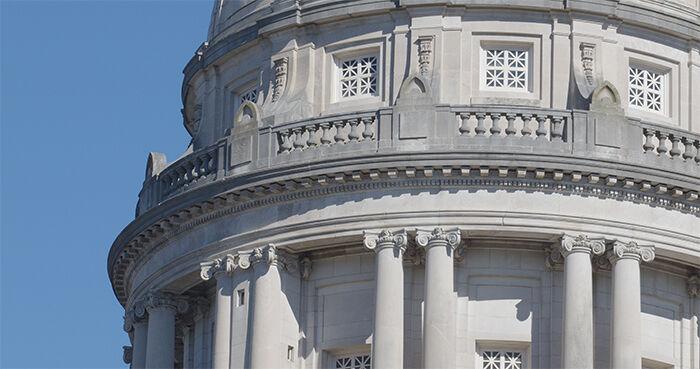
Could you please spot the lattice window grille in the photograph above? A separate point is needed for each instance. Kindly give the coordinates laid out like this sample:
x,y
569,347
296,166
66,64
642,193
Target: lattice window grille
x,y
646,89
502,360
354,362
358,77
250,95
506,69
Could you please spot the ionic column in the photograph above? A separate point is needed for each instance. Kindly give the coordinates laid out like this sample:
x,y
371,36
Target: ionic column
x,y
160,342
136,324
627,305
578,299
439,321
387,340
221,270
200,309
694,293
265,343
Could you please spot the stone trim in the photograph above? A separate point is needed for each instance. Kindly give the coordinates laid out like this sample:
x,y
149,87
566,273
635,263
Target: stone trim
x,y
467,178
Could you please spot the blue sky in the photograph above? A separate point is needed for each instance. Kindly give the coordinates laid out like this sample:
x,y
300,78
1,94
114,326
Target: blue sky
x,y
88,88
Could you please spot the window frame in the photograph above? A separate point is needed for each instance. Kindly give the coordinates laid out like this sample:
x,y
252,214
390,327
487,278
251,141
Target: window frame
x,y
664,92
485,47
523,348
341,58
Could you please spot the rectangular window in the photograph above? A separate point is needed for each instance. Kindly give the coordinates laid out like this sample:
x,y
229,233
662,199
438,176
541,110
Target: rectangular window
x,y
240,297
358,77
646,89
353,362
501,359
249,95
505,68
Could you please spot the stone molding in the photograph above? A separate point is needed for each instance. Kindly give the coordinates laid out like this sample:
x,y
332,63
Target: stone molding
x,y
450,238
505,178
581,243
386,239
694,286
631,250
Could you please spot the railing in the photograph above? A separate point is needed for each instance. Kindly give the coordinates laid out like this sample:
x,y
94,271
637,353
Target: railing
x,y
575,138
329,131
670,143
512,123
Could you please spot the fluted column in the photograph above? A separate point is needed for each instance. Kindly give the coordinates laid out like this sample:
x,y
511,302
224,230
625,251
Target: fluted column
x,y
265,346
387,339
221,270
135,322
578,299
627,305
439,315
160,342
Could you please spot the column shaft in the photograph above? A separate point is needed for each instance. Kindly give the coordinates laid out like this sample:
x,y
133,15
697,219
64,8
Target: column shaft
x,y
160,343
222,325
138,358
627,317
439,330
387,339
265,345
578,311
199,358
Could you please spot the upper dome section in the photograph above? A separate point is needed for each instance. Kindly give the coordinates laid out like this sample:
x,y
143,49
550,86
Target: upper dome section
x,y
230,16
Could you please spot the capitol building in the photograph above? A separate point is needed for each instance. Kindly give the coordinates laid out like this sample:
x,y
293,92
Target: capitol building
x,y
477,184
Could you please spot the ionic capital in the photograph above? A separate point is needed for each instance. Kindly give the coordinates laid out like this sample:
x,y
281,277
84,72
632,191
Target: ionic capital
x,y
267,255
439,237
127,354
225,265
158,300
135,314
581,243
386,239
694,286
631,250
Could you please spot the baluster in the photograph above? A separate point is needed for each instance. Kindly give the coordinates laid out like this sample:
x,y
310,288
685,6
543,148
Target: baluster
x,y
464,123
688,153
286,144
326,138
298,138
354,131
368,132
557,128
663,137
495,124
312,141
340,136
480,130
675,146
198,168
211,160
526,131
541,131
649,142
510,130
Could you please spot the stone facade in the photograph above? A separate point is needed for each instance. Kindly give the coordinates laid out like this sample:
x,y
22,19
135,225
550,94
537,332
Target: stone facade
x,y
426,184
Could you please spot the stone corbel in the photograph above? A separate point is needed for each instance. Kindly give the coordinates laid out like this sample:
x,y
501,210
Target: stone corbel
x,y
585,73
280,69
693,286
127,354
425,56
305,266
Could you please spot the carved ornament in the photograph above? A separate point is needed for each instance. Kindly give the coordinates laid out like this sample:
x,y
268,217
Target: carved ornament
x,y
581,243
386,239
439,237
632,250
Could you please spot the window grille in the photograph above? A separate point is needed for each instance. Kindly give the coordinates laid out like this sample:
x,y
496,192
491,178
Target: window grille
x,y
358,77
646,89
502,360
250,95
354,362
505,69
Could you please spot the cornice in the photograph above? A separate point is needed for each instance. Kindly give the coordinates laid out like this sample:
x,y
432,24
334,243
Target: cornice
x,y
444,177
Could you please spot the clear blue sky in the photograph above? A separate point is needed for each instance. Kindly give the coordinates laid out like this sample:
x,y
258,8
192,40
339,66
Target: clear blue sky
x,y
88,88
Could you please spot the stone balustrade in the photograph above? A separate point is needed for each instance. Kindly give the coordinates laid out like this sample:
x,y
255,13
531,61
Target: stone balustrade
x,y
524,124
671,143
326,132
574,139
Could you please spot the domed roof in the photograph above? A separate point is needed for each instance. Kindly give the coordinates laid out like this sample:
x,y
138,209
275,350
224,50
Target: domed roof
x,y
237,13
